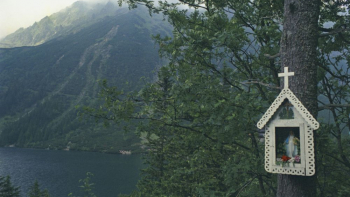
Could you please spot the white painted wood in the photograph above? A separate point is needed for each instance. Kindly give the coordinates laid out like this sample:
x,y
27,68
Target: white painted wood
x,y
309,151
288,94
286,74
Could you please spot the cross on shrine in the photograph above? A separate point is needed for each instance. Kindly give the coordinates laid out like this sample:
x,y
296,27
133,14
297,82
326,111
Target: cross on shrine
x,y
286,74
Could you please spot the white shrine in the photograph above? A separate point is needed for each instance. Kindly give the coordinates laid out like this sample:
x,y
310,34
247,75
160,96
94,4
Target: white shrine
x,y
289,140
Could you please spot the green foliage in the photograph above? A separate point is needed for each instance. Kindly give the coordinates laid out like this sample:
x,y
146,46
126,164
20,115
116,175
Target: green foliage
x,y
7,189
198,120
35,191
332,163
86,187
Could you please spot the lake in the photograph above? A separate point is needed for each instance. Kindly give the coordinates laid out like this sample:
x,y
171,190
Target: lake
x,y
60,171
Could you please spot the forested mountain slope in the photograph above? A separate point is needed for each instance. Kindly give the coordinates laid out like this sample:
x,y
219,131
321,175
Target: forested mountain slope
x,y
40,86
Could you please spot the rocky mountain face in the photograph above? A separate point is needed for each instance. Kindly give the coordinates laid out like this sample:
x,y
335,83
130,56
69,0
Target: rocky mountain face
x,y
64,57
65,22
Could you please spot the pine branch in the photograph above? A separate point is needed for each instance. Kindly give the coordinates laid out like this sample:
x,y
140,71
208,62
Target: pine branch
x,y
333,31
272,56
261,83
328,106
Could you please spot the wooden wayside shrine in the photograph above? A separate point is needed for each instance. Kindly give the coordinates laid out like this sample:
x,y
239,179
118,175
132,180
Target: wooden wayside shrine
x,y
289,139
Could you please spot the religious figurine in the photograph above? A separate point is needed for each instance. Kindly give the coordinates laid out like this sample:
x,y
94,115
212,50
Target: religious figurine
x,y
291,144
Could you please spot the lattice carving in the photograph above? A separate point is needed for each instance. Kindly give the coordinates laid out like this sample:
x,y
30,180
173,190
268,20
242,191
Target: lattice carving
x,y
310,152
289,170
268,153
288,94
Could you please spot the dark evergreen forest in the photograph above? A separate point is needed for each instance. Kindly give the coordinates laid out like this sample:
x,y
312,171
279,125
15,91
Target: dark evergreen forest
x,y
42,86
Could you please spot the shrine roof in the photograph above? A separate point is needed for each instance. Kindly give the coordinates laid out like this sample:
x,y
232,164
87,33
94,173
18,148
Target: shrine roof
x,y
286,93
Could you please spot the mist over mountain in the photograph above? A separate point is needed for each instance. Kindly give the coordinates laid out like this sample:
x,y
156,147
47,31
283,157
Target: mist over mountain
x,y
70,20
55,65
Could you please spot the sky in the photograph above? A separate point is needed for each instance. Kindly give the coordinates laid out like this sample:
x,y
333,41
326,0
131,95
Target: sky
x,y
15,14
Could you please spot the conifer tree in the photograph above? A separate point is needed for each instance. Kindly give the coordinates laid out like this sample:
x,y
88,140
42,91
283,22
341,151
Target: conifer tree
x,y
35,191
7,189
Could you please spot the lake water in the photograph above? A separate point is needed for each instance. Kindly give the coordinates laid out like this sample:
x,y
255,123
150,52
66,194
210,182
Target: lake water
x,y
60,171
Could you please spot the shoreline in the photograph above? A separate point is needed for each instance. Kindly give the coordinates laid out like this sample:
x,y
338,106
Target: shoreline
x,y
135,152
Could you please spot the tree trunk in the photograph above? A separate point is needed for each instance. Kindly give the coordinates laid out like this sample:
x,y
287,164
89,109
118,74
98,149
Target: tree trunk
x,y
298,53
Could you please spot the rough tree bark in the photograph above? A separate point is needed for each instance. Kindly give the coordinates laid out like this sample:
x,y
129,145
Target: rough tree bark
x,y
298,52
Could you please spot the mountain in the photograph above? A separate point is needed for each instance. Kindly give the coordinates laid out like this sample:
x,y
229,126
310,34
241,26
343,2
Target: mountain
x,y
41,85
65,22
